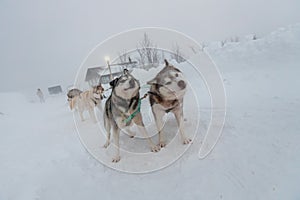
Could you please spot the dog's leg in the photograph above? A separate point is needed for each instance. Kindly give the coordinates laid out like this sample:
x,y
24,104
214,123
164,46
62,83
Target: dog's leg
x,y
179,118
92,114
81,115
116,135
158,116
80,109
107,128
139,122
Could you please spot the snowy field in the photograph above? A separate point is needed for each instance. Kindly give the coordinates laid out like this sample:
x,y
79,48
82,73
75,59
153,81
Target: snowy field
x,y
257,156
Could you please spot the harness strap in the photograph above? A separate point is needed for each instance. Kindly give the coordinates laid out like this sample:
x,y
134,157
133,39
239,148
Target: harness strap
x,y
95,101
128,119
159,99
153,93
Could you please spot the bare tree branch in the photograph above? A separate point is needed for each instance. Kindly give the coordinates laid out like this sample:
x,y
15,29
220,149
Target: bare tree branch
x,y
147,51
177,54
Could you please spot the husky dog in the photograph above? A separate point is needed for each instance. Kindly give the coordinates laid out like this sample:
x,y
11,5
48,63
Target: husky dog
x,y
122,110
87,100
166,95
71,94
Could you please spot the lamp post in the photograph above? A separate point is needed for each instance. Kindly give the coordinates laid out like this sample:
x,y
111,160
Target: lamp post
x,y
108,65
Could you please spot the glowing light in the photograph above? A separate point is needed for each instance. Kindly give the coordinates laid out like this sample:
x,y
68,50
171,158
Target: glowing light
x,y
106,58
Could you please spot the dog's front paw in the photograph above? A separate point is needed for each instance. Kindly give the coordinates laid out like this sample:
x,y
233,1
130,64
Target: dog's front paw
x,y
106,145
155,148
187,141
116,159
162,144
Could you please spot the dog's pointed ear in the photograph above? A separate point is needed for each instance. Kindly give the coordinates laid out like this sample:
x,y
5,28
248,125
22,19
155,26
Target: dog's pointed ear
x,y
113,82
125,71
99,87
166,62
152,82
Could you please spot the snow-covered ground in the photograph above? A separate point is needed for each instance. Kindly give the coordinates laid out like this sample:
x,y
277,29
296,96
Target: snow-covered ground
x,y
257,156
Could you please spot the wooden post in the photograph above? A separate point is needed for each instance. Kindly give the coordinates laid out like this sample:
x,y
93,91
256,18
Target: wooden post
x,y
108,65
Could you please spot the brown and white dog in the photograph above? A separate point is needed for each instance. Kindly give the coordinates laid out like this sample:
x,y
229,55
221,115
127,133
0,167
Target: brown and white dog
x,y
87,100
166,95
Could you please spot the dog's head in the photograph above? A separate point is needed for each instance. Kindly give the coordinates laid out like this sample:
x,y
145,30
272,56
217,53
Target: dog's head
x,y
98,91
169,82
125,86
73,92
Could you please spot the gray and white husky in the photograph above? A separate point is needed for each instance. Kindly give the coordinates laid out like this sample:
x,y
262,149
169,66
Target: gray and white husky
x,y
166,95
120,107
86,101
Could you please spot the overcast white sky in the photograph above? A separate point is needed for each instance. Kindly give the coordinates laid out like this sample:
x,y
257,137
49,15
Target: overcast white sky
x,y
44,42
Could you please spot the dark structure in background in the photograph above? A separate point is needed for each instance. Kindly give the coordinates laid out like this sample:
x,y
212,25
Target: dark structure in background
x,y
93,76
55,90
100,74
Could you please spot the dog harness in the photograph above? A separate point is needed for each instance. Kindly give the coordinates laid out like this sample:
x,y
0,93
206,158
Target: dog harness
x,y
159,99
128,119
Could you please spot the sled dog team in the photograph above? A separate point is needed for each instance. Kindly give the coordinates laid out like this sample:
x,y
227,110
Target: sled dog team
x,y
122,108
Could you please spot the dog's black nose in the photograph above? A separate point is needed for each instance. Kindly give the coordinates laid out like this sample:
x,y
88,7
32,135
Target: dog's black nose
x,y
181,84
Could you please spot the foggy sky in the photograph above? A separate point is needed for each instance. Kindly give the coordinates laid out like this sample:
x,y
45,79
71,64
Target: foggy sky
x,y
44,42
